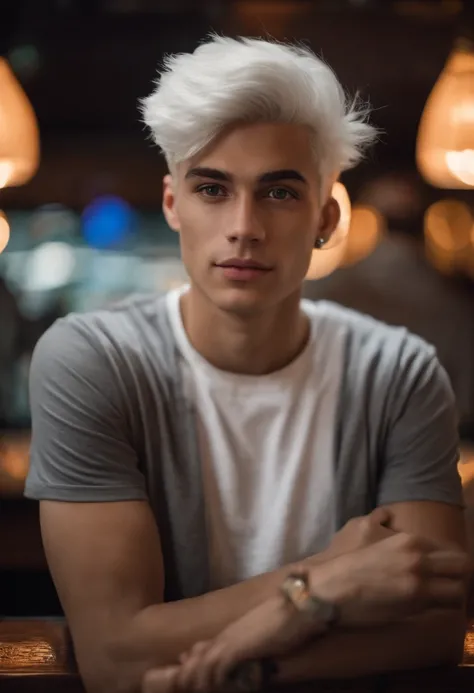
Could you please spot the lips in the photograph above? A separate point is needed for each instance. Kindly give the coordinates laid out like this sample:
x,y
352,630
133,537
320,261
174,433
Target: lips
x,y
237,263
243,271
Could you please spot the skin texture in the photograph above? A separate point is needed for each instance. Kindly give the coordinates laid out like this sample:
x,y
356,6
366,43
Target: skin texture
x,y
106,559
232,323
377,577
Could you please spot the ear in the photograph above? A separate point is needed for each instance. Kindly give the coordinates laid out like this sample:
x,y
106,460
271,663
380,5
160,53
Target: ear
x,y
329,219
169,203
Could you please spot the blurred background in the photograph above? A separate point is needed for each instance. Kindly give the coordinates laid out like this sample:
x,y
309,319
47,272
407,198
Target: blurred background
x,y
80,189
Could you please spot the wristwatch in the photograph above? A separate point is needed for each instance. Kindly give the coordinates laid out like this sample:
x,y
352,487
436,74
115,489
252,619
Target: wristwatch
x,y
257,675
296,591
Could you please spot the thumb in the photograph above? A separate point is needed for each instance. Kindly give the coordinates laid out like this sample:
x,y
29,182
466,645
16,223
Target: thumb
x,y
160,680
380,516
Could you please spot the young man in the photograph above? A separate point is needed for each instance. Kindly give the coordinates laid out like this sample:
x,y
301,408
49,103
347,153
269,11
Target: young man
x,y
192,452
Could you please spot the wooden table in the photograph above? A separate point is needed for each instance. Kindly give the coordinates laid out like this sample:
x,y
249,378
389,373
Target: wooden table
x,y
36,657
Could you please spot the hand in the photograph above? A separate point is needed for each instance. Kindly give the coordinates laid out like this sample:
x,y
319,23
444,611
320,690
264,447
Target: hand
x,y
164,680
360,532
273,628
194,674
394,578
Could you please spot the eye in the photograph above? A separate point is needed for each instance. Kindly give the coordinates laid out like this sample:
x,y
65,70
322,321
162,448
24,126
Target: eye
x,y
211,190
282,194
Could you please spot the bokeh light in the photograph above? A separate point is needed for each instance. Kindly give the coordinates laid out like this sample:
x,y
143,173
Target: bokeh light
x,y
107,222
19,136
365,233
4,232
445,144
448,227
50,266
53,222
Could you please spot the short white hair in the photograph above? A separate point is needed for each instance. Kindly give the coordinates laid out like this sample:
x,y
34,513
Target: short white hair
x,y
226,81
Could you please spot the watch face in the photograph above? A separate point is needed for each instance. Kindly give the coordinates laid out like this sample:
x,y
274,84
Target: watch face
x,y
296,590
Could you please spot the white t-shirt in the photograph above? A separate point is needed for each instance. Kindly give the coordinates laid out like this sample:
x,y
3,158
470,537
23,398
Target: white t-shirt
x,y
267,449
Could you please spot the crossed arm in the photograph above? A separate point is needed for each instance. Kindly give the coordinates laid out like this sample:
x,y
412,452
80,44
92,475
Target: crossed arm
x,y
105,557
106,561
431,638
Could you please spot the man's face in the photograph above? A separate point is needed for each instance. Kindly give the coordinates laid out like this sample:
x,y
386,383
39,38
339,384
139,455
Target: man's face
x,y
248,213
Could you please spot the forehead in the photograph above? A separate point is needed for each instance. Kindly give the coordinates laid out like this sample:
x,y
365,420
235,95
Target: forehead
x,y
248,150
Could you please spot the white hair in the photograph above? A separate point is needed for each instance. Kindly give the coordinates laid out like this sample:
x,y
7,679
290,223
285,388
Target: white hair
x,y
226,81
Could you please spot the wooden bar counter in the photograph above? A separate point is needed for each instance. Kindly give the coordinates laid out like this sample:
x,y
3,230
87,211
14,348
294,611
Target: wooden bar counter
x,y
36,656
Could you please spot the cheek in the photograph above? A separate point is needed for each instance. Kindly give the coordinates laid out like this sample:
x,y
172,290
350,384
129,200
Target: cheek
x,y
201,226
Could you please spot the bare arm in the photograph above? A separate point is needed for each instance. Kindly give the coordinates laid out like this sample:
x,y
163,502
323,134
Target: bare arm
x,y
106,562
430,639
395,592
100,536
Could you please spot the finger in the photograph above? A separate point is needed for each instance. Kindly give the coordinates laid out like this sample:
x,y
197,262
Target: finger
x,y
199,648
160,680
219,660
446,593
207,678
186,679
380,516
454,564
195,675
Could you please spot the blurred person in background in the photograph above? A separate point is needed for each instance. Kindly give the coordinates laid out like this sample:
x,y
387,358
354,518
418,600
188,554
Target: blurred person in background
x,y
229,473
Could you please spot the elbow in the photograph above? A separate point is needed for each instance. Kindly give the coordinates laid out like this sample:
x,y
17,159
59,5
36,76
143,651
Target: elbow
x,y
107,672
119,668
120,681
100,676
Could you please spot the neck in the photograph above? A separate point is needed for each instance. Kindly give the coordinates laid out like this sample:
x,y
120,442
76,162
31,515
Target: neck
x,y
255,344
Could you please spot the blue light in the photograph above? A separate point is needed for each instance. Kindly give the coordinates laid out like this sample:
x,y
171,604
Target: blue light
x,y
108,221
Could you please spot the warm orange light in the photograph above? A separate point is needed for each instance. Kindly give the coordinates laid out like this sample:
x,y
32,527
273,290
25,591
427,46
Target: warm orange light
x,y
445,146
367,228
4,232
448,228
466,465
326,260
19,137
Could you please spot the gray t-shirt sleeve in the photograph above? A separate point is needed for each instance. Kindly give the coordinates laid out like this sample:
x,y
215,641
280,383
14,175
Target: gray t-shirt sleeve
x,y
421,449
80,448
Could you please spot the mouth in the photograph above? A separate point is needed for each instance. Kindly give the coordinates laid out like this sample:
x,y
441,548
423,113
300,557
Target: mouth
x,y
237,269
238,263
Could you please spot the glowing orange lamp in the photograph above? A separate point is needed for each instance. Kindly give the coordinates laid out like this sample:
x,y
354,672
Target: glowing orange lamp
x,y
19,135
445,145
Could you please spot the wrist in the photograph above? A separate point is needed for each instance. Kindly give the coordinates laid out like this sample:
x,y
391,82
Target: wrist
x,y
316,612
334,584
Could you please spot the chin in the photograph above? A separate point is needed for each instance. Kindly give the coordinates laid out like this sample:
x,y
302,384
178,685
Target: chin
x,y
241,300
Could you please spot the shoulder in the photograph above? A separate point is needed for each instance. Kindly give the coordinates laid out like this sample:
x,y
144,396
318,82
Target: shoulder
x,y
105,346
121,329
372,343
383,364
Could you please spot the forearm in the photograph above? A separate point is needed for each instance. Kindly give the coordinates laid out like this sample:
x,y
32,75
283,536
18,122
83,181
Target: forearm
x,y
432,639
157,635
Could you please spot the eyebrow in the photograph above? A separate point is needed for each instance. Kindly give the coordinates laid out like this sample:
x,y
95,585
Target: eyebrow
x,y
268,177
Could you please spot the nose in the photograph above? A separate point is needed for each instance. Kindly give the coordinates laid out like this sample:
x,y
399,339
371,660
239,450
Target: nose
x,y
245,225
